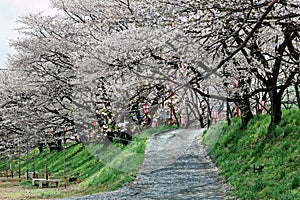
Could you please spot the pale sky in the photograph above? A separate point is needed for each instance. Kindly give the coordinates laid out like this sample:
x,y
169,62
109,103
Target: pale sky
x,y
10,10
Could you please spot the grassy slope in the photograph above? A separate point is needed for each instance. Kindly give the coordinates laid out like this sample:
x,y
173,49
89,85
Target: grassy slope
x,y
120,165
236,151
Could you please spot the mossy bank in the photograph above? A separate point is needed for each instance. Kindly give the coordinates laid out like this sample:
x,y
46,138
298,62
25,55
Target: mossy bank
x,y
237,150
100,168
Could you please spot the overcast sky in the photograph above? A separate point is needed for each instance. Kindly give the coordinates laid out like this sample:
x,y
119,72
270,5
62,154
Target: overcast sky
x,y
9,12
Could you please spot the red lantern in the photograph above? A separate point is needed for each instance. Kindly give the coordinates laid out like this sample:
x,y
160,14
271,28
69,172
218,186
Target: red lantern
x,y
261,105
154,124
182,121
146,110
236,84
215,115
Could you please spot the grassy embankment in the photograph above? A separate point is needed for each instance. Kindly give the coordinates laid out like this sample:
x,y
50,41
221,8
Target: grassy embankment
x,y
237,150
117,166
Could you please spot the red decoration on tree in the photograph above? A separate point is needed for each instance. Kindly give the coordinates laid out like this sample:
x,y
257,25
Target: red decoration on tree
x,y
261,105
236,84
146,110
215,115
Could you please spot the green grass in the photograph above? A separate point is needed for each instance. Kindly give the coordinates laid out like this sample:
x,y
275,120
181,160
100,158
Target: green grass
x,y
101,168
236,150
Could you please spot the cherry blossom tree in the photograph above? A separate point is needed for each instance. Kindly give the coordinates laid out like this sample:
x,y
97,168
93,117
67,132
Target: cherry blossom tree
x,y
101,61
261,37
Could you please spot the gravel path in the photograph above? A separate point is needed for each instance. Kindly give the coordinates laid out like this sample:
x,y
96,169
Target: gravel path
x,y
176,167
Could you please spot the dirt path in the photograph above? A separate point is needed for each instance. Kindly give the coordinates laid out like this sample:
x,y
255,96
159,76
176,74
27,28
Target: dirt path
x,y
176,167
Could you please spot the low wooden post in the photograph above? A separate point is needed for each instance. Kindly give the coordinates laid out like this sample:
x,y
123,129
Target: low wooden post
x,y
11,168
33,168
27,160
47,176
47,154
65,171
19,160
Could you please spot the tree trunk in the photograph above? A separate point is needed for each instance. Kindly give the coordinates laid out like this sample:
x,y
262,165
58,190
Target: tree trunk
x,y
297,94
228,112
175,116
276,112
246,113
208,112
41,146
201,120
